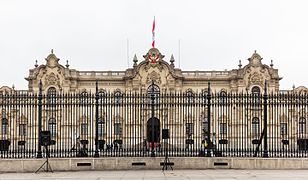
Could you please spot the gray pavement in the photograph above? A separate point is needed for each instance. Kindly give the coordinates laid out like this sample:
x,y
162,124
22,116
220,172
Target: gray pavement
x,y
156,174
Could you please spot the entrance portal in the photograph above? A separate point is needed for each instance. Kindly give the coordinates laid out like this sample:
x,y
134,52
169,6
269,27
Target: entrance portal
x,y
153,129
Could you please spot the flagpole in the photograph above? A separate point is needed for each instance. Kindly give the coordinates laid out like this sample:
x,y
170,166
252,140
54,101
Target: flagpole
x,y
179,53
127,49
153,34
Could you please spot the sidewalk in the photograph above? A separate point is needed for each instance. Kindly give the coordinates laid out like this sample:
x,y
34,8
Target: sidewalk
x,y
157,175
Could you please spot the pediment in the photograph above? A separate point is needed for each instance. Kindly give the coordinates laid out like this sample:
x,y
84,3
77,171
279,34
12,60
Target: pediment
x,y
153,60
52,60
301,90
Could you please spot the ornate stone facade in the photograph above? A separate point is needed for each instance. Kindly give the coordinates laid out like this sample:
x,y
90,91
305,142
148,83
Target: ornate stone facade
x,y
154,68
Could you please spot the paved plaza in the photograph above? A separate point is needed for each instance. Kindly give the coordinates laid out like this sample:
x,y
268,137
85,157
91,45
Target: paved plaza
x,y
156,174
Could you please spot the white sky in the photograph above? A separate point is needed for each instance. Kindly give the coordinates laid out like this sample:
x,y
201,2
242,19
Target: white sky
x,y
93,35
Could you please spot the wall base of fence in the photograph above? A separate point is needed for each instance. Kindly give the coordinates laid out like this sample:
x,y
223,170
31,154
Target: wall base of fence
x,y
139,163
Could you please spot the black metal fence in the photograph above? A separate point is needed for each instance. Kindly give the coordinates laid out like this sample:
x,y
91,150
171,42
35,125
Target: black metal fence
x,y
105,124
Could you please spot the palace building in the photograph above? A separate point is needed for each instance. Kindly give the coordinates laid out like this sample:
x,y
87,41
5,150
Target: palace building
x,y
126,113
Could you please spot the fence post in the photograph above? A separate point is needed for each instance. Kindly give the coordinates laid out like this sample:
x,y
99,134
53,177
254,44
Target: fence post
x,y
209,120
152,117
96,154
40,97
265,97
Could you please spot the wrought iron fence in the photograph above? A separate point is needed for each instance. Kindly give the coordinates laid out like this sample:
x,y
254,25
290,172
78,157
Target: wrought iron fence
x,y
112,124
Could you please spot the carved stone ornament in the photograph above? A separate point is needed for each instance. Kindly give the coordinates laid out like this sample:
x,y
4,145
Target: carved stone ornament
x,y
40,73
52,80
256,79
300,90
52,61
248,70
255,60
262,70
153,55
154,76
59,70
158,65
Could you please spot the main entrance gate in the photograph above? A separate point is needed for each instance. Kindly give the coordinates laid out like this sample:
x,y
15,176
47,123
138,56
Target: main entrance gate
x,y
153,130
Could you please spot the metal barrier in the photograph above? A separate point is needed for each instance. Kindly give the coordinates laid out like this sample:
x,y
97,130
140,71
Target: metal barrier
x,y
116,124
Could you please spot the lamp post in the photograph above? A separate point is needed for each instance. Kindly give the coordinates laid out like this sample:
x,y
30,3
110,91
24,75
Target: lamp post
x,y
208,154
265,97
96,154
40,97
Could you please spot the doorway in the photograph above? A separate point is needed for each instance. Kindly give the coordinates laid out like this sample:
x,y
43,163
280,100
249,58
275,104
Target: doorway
x,y
153,130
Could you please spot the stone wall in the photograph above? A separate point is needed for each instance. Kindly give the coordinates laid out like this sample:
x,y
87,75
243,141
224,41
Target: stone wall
x,y
142,163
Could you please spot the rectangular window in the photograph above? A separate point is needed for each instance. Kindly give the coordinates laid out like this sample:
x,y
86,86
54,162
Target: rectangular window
x,y
205,126
302,125
255,129
52,127
101,128
22,129
84,129
4,126
283,129
117,128
189,129
223,128
4,129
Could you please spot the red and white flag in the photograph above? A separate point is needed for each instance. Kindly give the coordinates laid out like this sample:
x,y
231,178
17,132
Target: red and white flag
x,y
153,33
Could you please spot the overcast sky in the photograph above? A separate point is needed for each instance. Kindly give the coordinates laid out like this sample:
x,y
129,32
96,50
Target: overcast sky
x,y
214,34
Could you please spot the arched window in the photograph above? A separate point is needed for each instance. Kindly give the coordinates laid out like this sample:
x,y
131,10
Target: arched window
x,y
153,92
118,97
223,97
84,97
255,90
101,97
302,125
52,127
255,127
190,97
51,95
204,96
